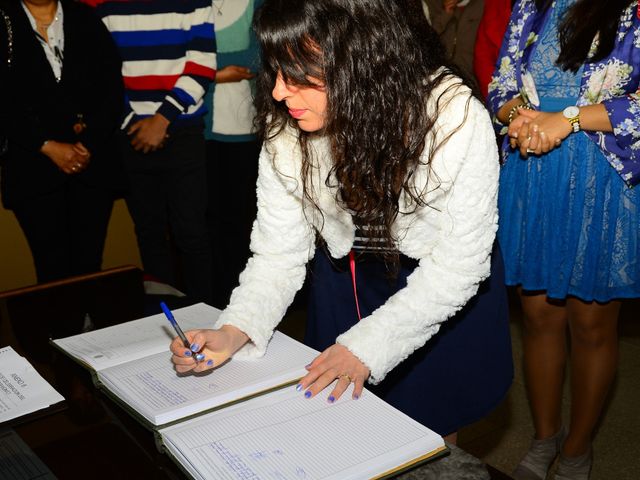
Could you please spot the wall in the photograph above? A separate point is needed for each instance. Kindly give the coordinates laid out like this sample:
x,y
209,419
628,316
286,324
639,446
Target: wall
x,y
16,264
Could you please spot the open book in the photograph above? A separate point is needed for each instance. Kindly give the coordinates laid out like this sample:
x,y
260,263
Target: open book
x,y
283,435
236,422
132,362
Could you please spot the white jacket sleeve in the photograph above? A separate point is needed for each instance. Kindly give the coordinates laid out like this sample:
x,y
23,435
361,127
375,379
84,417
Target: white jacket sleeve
x,y
449,275
282,242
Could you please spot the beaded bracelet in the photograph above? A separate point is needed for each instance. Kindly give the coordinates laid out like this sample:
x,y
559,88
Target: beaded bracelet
x,y
514,110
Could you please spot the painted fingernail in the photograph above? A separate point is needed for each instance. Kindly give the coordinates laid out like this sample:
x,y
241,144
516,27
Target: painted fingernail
x,y
299,387
210,363
331,399
187,353
356,396
199,356
307,394
195,347
307,366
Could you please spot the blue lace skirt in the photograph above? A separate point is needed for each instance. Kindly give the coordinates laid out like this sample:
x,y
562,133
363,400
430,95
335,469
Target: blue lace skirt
x,y
569,225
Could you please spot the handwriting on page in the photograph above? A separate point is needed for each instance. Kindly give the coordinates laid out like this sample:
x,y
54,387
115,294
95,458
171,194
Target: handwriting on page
x,y
153,382
226,446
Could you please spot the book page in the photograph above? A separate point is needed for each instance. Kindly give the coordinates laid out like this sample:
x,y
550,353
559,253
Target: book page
x,y
136,339
22,389
283,435
152,387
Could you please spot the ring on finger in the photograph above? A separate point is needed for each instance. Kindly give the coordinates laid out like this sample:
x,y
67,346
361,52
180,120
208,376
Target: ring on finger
x,y
347,377
530,151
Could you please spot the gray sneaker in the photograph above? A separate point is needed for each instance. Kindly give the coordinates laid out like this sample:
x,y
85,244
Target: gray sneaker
x,y
574,468
541,454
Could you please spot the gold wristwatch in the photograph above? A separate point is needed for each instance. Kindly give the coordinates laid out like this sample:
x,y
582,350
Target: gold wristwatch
x,y
572,114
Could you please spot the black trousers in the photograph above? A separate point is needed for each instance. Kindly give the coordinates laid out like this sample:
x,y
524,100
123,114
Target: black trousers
x,y
66,229
168,196
232,172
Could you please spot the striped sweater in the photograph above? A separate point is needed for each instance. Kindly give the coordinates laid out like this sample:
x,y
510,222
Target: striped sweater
x,y
168,55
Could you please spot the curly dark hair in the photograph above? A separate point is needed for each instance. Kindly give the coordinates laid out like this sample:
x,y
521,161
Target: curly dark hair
x,y
378,68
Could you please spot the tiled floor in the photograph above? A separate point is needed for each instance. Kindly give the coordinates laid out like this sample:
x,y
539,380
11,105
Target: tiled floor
x,y
504,436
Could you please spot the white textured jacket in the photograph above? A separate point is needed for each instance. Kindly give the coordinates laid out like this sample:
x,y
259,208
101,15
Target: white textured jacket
x,y
452,237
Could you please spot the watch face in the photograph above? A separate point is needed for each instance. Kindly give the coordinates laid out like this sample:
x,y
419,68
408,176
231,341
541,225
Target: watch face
x,y
571,112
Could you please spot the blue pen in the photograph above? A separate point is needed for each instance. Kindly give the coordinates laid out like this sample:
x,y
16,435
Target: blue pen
x,y
172,321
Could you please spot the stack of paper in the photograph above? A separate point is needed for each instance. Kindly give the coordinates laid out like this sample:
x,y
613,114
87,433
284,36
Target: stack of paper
x,y
22,389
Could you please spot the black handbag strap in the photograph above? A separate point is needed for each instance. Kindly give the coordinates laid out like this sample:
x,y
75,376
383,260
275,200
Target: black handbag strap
x,y
7,23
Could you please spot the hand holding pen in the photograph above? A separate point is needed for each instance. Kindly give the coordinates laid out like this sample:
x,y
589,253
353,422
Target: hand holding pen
x,y
192,348
200,350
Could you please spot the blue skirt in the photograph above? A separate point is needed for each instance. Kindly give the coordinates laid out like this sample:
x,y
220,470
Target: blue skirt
x,y
458,377
569,225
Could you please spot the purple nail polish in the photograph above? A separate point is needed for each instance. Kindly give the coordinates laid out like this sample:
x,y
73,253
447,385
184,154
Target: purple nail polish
x,y
307,394
195,347
356,396
210,363
331,399
187,353
299,387
199,356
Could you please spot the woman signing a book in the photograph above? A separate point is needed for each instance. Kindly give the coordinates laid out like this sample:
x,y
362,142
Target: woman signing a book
x,y
381,167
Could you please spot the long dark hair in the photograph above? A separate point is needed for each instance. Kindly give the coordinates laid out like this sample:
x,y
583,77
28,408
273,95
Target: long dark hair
x,y
579,26
378,71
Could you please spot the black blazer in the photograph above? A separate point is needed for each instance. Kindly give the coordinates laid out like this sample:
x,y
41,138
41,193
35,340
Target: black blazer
x,y
34,107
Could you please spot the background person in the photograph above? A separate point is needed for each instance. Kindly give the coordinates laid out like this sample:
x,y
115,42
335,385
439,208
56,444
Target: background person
x,y
569,219
60,104
232,145
456,22
168,53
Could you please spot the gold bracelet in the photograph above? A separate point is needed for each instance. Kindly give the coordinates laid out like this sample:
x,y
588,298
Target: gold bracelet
x,y
514,110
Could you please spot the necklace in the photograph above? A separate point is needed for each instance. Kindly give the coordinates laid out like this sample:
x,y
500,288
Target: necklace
x,y
218,8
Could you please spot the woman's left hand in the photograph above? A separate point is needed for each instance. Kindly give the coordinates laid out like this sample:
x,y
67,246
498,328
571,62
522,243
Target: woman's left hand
x,y
336,362
541,132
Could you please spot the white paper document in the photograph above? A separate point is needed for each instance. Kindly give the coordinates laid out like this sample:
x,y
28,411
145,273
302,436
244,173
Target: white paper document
x,y
284,436
22,389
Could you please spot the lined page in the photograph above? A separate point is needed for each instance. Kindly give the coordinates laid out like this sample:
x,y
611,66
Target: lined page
x,y
152,387
283,435
136,339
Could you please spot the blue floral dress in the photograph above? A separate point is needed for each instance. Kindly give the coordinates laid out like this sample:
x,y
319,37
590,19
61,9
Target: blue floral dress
x,y
569,220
